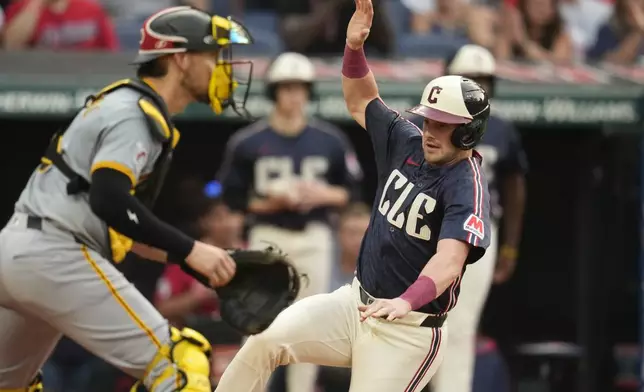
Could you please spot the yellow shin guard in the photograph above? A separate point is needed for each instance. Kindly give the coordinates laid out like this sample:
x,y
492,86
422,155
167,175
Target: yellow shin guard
x,y
35,386
189,352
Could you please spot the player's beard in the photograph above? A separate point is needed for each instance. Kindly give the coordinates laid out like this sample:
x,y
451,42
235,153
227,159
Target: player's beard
x,y
440,157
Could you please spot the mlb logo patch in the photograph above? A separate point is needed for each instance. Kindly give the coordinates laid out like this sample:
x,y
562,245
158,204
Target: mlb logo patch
x,y
474,225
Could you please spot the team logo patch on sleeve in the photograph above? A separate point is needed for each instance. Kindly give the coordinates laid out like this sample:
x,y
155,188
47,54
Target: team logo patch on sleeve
x,y
474,225
140,157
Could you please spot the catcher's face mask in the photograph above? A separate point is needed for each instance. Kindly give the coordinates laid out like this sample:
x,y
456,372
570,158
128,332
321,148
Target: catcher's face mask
x,y
227,87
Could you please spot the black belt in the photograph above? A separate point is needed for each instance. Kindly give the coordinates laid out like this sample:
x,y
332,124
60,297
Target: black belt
x,y
431,321
35,223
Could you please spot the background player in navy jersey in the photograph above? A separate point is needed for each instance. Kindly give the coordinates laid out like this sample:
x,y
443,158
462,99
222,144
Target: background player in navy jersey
x,y
289,173
504,164
431,220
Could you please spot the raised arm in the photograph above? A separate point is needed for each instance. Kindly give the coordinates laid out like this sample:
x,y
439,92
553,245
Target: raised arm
x,y
358,83
21,22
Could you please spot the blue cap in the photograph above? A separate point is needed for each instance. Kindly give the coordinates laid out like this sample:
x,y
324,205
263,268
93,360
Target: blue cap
x,y
212,189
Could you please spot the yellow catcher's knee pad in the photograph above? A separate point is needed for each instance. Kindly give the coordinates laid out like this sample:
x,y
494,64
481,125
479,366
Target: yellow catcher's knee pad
x,y
189,352
35,386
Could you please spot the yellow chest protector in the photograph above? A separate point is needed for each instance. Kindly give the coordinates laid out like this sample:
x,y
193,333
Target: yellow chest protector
x,y
147,189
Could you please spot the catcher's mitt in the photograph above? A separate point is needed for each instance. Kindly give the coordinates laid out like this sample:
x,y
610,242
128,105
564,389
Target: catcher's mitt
x,y
265,284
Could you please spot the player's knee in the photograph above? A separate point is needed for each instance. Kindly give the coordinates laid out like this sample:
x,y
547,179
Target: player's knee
x,y
268,346
36,385
188,370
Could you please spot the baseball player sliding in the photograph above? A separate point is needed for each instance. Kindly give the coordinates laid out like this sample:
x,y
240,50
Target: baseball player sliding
x,y
430,221
89,203
504,164
288,173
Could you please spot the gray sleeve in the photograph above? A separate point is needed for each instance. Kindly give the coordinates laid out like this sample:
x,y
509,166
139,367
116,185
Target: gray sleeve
x,y
127,146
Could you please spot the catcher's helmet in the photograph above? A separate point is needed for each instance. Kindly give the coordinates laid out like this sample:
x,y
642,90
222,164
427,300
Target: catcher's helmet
x,y
187,29
474,62
289,67
456,100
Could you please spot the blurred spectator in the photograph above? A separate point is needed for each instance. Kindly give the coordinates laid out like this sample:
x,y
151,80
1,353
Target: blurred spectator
x,y
182,299
353,224
1,18
219,226
583,19
255,5
58,25
535,32
621,39
318,27
491,371
178,294
456,18
138,10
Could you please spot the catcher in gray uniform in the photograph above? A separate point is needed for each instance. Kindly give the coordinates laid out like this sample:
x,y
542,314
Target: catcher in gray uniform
x,y
89,203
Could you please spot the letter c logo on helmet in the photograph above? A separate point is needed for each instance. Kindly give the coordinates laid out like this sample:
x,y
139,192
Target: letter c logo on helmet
x,y
456,100
187,29
431,98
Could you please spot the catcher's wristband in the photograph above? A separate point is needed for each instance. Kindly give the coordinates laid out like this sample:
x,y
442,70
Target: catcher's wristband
x,y
174,259
188,270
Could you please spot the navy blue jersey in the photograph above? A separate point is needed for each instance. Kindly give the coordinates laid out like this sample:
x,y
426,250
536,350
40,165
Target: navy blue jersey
x,y
417,205
502,154
257,157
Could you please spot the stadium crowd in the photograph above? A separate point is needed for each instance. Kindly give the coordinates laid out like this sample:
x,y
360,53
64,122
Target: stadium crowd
x,y
561,31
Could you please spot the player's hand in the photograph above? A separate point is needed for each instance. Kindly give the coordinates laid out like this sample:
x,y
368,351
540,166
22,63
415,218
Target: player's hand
x,y
213,263
283,194
505,266
390,309
311,195
289,201
360,24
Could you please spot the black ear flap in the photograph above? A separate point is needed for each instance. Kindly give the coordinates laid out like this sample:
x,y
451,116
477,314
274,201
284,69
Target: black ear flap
x,y
466,136
459,137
